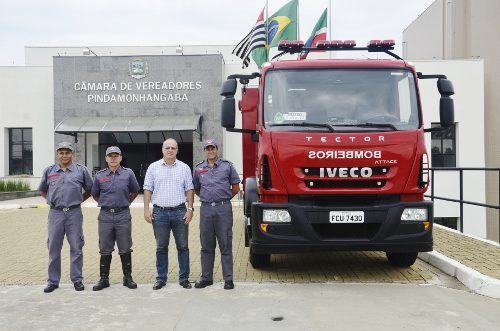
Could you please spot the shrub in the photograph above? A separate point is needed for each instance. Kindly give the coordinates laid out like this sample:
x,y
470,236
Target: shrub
x,y
11,185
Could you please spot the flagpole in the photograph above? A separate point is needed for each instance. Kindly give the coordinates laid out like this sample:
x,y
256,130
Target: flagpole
x,y
329,23
266,24
298,27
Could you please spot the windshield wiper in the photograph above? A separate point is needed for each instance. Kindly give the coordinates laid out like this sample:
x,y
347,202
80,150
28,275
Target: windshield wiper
x,y
370,125
307,124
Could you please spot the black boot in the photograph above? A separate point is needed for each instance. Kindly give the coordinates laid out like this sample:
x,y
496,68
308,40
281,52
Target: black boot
x,y
104,269
127,270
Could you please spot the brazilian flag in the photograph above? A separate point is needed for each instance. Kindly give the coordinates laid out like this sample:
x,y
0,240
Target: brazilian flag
x,y
282,25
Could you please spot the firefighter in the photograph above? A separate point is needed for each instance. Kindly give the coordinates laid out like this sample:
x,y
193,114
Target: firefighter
x,y
114,189
65,185
215,182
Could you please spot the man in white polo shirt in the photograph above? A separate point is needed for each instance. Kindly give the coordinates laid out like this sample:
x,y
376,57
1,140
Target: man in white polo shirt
x,y
169,186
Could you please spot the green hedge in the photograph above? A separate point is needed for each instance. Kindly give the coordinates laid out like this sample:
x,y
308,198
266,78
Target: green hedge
x,y
11,185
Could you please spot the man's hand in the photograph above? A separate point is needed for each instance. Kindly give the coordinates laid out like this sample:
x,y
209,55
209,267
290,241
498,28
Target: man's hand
x,y
147,216
86,195
188,216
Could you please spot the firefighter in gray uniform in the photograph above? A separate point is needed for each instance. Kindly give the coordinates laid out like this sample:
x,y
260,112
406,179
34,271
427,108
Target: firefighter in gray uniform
x,y
215,182
65,185
114,189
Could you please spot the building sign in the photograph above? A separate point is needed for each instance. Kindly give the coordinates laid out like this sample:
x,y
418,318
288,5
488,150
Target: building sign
x,y
136,91
137,85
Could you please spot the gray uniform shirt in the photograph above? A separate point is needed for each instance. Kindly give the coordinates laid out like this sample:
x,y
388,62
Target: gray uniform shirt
x,y
65,188
114,188
215,182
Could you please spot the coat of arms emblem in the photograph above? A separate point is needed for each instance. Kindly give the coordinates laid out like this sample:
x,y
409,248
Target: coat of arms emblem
x,y
138,68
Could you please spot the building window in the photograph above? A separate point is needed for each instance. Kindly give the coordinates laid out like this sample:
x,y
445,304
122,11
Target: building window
x,y
449,222
443,151
20,152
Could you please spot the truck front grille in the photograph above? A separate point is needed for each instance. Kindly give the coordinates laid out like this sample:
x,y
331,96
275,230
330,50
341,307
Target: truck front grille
x,y
315,172
345,183
346,231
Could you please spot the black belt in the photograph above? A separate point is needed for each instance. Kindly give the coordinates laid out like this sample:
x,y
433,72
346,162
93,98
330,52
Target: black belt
x,y
181,206
114,209
216,203
65,208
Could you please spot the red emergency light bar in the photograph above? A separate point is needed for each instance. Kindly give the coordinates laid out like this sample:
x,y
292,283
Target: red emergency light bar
x,y
291,46
297,46
335,44
381,43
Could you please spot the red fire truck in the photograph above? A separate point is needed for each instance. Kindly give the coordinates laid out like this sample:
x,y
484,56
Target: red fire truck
x,y
334,155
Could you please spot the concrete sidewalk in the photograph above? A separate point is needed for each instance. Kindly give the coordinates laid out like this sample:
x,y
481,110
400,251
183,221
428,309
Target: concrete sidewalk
x,y
250,306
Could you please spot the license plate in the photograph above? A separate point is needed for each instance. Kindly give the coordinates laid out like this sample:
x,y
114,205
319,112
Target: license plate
x,y
347,216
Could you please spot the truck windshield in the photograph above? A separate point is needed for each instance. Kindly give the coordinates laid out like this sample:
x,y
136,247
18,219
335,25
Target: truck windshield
x,y
340,99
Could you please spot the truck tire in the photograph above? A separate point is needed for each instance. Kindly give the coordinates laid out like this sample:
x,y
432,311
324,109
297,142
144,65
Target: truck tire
x,y
247,236
259,261
401,259
250,195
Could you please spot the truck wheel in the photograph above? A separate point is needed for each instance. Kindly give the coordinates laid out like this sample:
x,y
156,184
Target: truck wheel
x,y
247,236
401,259
260,260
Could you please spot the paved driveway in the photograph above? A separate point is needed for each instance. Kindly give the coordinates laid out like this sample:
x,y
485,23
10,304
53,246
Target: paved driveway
x,y
24,256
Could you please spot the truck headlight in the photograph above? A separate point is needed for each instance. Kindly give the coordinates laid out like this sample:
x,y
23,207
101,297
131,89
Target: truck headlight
x,y
414,214
276,216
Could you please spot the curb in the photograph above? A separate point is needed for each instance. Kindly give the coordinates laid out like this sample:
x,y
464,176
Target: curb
x,y
472,279
19,206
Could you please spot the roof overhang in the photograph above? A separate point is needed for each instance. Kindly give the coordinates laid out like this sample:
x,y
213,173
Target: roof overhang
x,y
73,125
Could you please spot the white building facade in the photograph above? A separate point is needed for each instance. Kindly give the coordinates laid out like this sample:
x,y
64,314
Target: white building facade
x,y
467,30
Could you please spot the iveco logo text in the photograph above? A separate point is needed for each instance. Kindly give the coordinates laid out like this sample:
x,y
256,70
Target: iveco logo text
x,y
346,172
345,154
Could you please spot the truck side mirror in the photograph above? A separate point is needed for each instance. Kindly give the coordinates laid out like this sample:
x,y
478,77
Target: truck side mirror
x,y
445,87
229,87
228,114
446,112
446,106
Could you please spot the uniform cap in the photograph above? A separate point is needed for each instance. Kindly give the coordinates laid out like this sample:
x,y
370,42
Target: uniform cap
x,y
65,145
210,142
113,149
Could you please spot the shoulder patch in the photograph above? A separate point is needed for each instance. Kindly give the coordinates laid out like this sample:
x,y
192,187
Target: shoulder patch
x,y
201,170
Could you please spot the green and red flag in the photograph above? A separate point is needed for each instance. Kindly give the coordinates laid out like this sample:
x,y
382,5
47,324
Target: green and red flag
x,y
318,33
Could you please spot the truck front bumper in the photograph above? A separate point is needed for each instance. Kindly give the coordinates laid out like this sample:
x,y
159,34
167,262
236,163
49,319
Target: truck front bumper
x,y
310,229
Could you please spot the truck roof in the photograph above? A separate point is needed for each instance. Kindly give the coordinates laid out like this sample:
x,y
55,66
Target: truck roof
x,y
340,63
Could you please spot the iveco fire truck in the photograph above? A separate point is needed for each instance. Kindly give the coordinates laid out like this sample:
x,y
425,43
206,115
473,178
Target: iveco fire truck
x,y
333,153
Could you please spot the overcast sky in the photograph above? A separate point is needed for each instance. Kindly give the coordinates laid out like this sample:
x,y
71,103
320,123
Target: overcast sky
x,y
194,22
